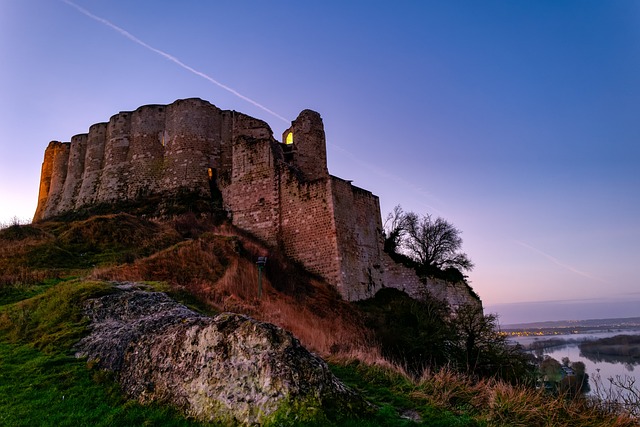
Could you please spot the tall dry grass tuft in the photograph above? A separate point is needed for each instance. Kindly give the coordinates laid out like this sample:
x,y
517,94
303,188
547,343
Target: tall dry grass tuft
x,y
370,355
17,242
189,262
220,270
327,333
18,276
326,327
240,280
448,389
489,402
497,403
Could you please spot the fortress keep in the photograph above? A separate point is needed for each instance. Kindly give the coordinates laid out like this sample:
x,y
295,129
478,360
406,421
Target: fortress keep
x,y
281,192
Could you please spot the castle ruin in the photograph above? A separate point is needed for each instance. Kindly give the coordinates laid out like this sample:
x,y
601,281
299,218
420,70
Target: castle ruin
x,y
281,192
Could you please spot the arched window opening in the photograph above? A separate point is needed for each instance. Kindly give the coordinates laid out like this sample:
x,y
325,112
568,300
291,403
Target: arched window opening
x,y
289,140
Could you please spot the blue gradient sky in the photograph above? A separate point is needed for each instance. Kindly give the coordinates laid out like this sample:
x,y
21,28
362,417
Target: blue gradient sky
x,y
518,121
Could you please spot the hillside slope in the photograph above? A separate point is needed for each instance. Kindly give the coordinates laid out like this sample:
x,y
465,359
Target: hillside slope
x,y
48,270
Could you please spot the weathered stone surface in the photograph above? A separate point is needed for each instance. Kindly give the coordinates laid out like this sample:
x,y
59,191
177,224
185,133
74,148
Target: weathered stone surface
x,y
229,368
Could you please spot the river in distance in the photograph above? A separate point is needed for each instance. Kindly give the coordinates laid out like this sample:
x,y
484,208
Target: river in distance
x,y
599,368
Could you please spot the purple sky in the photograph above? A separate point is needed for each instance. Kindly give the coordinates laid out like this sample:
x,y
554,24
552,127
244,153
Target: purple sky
x,y
517,121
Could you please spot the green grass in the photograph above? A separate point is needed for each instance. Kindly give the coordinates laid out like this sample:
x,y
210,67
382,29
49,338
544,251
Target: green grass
x,y
53,320
43,384
11,294
40,389
393,393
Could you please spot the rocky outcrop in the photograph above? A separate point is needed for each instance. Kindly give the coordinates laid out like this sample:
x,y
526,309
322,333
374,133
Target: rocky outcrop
x,y
229,368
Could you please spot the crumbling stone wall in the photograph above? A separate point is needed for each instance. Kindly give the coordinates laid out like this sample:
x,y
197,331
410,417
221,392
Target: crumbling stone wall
x,y
75,170
282,193
145,157
359,234
307,226
59,158
403,278
250,193
309,146
93,161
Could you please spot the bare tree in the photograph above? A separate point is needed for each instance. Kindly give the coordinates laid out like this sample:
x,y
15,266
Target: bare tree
x,y
434,243
475,332
395,228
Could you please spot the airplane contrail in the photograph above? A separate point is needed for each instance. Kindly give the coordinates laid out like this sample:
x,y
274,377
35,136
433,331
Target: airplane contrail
x,y
558,262
171,58
175,60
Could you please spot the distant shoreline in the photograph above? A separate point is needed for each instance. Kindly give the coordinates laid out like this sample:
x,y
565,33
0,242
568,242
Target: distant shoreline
x,y
568,327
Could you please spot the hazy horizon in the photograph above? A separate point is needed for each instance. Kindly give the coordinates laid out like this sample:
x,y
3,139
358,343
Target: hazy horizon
x,y
563,310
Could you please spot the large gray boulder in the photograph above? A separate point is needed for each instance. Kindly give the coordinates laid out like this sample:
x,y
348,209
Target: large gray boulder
x,y
228,368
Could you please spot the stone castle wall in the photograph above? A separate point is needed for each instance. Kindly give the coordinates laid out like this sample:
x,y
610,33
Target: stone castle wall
x,y
154,149
307,227
93,161
282,193
359,236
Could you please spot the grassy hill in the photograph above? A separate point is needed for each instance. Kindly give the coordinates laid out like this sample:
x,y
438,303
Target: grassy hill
x,y
48,269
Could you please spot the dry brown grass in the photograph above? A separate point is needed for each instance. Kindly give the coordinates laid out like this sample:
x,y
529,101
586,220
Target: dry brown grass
x,y
17,276
292,299
325,332
501,404
491,403
219,269
31,253
16,242
183,264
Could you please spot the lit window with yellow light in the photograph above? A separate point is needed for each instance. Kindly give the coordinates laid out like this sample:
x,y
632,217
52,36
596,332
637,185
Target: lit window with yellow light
x,y
289,139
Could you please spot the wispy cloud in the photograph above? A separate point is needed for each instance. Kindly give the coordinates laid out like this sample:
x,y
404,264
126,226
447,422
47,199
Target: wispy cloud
x,y
171,58
560,263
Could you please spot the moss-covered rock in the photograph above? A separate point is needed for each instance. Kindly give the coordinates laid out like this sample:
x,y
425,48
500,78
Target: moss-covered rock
x,y
229,368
